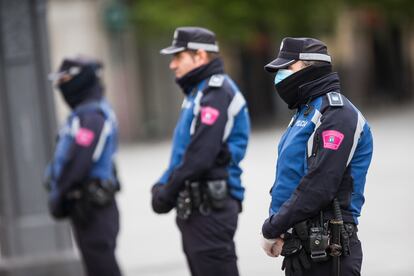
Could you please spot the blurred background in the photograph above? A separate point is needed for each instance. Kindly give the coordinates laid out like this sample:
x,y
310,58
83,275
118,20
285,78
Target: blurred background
x,y
372,45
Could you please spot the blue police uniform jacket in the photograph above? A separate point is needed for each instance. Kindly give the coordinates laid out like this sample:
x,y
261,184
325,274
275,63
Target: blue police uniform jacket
x,y
86,145
324,153
213,123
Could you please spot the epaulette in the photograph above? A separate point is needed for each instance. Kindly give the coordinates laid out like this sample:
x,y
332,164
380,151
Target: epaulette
x,y
335,99
216,80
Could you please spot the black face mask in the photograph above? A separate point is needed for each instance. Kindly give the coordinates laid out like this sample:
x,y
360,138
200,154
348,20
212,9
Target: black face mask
x,y
289,88
76,90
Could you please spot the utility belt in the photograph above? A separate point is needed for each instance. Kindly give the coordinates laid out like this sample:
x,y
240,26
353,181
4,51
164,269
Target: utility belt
x,y
201,196
98,192
323,239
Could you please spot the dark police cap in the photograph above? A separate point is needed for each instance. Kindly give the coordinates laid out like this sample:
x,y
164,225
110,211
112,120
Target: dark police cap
x,y
74,66
294,49
192,38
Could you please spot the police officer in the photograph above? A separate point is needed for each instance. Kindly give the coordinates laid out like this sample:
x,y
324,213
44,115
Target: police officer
x,y
203,178
82,179
323,159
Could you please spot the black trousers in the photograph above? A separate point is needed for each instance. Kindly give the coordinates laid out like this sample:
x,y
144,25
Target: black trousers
x,y
350,265
96,240
208,241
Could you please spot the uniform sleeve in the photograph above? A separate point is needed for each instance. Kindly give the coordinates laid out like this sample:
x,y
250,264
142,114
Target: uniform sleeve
x,y
333,140
176,155
206,141
81,151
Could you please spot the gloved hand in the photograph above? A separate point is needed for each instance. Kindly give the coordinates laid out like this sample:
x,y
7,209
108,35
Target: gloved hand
x,y
296,259
272,247
160,203
57,206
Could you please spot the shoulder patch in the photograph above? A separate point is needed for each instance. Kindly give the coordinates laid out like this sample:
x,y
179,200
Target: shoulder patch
x,y
332,139
216,81
84,137
335,99
209,115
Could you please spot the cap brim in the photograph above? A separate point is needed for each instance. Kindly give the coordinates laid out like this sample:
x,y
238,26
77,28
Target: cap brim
x,y
172,50
279,63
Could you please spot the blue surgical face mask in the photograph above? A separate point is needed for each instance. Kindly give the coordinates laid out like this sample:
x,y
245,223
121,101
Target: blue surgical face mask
x,y
282,74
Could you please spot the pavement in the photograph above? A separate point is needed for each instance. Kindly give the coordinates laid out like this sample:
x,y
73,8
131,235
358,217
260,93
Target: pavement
x,y
150,245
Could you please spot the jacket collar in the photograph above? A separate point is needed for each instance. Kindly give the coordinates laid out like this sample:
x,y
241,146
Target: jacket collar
x,y
190,80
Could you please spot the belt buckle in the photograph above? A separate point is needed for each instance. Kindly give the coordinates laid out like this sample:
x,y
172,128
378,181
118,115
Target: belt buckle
x,y
318,256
